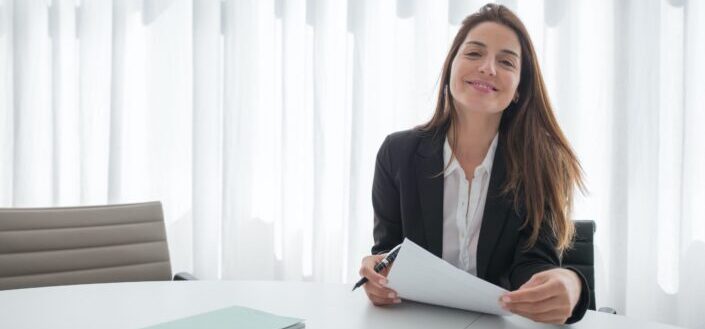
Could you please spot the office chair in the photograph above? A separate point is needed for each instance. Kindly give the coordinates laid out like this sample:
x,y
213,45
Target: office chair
x,y
77,245
582,257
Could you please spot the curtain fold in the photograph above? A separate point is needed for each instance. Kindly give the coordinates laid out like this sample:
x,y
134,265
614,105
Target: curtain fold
x,y
257,123
32,157
207,173
94,22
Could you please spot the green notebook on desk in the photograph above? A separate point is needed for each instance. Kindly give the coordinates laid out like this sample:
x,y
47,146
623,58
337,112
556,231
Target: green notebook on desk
x,y
233,317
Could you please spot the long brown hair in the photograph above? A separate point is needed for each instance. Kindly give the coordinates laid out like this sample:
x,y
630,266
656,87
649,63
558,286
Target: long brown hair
x,y
542,169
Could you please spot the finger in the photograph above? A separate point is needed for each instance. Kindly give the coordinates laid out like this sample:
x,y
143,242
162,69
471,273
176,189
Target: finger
x,y
367,270
377,300
374,278
380,301
377,283
555,310
551,304
533,294
381,292
372,260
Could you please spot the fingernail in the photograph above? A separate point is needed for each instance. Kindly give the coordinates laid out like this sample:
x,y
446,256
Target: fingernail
x,y
506,299
397,301
392,295
383,282
503,305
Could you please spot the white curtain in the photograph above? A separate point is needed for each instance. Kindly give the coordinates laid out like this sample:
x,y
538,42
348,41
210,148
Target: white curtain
x,y
256,123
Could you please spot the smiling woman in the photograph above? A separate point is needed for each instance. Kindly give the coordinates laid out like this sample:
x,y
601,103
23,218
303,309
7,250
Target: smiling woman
x,y
487,183
256,124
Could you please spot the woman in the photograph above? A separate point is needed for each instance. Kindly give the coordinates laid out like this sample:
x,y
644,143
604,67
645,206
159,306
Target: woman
x,y
487,183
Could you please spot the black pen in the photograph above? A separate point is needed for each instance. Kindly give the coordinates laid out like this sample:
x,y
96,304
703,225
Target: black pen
x,y
381,265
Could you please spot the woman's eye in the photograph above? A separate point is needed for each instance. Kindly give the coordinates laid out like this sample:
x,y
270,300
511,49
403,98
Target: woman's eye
x,y
507,63
472,54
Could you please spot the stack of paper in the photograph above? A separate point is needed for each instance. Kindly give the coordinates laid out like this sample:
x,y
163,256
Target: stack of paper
x,y
420,276
233,317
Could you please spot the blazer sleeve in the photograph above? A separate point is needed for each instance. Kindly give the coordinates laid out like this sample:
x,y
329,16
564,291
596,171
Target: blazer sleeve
x,y
387,231
541,257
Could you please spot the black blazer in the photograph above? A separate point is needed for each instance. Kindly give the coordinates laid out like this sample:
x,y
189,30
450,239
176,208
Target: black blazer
x,y
407,197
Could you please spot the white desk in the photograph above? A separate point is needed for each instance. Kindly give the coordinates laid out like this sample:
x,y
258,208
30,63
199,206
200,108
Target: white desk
x,y
139,304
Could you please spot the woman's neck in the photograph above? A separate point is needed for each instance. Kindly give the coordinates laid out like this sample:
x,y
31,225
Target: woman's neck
x,y
475,132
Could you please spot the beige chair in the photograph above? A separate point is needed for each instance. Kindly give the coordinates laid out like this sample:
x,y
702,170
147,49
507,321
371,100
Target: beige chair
x,y
76,245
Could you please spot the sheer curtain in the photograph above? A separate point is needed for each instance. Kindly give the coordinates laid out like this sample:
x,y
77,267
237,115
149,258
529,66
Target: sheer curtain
x,y
256,123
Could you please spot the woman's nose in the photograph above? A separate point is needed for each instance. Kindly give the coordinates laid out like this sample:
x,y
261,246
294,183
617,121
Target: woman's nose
x,y
487,67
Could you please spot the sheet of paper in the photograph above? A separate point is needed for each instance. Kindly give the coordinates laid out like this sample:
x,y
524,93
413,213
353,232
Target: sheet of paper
x,y
420,276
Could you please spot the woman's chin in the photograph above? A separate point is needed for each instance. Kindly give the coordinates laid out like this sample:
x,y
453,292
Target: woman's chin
x,y
479,106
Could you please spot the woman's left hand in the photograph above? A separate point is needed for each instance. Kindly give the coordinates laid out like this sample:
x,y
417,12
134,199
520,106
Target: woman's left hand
x,y
549,296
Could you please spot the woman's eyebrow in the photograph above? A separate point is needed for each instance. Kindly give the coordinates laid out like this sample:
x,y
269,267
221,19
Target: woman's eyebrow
x,y
480,44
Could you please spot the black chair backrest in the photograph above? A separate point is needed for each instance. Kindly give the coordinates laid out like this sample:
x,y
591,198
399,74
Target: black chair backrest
x,y
582,255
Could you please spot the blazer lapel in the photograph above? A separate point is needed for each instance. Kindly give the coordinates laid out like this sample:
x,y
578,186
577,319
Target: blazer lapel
x,y
495,215
429,167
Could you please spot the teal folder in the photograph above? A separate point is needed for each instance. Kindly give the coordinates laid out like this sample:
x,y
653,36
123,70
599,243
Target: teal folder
x,y
231,318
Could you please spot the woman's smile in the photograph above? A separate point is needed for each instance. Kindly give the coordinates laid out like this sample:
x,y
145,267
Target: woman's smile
x,y
482,86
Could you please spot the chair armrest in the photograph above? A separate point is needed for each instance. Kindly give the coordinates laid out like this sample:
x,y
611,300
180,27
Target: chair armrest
x,y
184,276
607,310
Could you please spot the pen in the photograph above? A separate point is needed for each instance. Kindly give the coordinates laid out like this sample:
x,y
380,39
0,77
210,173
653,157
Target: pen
x,y
381,265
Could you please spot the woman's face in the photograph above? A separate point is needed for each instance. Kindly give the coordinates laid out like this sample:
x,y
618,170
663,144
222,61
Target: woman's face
x,y
485,72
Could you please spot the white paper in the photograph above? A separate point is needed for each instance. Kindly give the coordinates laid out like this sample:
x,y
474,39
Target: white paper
x,y
420,276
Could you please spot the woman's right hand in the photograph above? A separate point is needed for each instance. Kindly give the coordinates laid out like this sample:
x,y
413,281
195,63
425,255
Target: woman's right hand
x,y
376,286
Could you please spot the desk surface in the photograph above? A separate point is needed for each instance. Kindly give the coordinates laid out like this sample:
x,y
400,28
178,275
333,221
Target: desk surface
x,y
140,304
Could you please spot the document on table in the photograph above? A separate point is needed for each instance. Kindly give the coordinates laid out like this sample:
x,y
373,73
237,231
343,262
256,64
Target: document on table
x,y
233,317
420,276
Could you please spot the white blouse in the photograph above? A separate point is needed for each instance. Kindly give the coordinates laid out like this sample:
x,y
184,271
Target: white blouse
x,y
462,213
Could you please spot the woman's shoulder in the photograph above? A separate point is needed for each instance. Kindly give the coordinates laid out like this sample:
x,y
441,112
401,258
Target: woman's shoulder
x,y
405,140
409,136
402,144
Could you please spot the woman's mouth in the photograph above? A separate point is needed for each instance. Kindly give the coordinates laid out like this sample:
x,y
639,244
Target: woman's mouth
x,y
482,86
